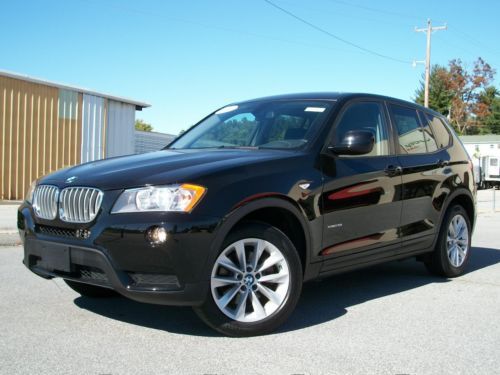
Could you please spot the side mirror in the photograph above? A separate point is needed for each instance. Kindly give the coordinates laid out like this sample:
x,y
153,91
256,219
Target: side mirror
x,y
355,142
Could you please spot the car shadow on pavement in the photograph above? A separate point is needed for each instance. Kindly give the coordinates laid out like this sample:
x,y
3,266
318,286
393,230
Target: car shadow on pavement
x,y
321,301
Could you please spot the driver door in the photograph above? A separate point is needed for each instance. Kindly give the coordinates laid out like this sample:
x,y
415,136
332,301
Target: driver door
x,y
361,200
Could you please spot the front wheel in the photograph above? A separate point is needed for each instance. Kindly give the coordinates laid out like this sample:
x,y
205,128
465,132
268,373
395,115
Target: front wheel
x,y
453,245
255,282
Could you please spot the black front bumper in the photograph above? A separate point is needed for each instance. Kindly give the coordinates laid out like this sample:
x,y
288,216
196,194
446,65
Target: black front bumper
x,y
117,255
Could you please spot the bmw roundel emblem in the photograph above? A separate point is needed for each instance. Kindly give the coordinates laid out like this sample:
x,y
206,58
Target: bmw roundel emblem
x,y
69,180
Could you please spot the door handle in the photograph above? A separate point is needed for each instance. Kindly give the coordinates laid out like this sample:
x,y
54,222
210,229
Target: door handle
x,y
393,170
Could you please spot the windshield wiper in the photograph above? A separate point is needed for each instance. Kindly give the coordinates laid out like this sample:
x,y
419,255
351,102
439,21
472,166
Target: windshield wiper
x,y
239,147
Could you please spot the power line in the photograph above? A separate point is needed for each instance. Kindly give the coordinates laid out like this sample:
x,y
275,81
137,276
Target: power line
x,y
376,10
347,13
162,17
345,41
475,42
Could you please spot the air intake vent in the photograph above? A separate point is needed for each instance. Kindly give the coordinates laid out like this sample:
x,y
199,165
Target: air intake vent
x,y
45,201
79,204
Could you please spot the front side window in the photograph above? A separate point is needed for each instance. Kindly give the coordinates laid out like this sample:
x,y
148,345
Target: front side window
x,y
261,124
410,133
364,116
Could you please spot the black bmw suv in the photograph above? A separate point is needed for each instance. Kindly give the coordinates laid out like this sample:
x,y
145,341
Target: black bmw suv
x,y
257,198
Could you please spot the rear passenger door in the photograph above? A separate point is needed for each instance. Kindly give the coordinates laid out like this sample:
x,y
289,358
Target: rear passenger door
x,y
425,167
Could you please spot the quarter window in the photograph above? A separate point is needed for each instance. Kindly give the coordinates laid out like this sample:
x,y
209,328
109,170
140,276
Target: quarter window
x,y
410,133
441,134
430,141
364,116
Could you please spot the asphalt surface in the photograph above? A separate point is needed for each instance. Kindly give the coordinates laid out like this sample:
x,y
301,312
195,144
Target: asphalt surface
x,y
390,319
8,220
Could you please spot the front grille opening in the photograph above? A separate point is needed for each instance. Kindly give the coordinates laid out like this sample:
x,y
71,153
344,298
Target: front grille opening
x,y
79,234
33,260
54,231
80,204
45,201
92,274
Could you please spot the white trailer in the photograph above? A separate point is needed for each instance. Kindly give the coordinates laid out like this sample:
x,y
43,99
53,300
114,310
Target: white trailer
x,y
489,172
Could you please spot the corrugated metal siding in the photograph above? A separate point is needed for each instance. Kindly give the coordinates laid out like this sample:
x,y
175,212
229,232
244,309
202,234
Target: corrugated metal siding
x,y
151,141
120,131
40,132
93,128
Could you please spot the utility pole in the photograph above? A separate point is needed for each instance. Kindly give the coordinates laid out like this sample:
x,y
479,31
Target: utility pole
x,y
429,29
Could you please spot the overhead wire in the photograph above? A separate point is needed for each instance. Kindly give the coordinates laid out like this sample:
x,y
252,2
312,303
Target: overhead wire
x,y
185,21
334,36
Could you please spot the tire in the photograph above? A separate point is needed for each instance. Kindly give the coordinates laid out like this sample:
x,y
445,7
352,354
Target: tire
x,y
450,259
88,290
248,305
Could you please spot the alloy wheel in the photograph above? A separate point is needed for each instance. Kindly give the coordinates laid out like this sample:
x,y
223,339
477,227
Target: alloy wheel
x,y
457,240
250,280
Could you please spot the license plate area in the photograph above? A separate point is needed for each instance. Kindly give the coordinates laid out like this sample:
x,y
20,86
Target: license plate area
x,y
54,257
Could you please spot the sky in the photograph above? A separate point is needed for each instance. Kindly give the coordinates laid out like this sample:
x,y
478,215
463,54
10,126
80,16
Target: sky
x,y
188,58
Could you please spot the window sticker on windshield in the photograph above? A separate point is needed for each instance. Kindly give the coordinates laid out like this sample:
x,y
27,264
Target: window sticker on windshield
x,y
226,109
315,109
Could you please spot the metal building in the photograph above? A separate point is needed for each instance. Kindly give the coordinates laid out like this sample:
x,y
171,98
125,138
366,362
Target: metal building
x,y
151,141
45,126
481,145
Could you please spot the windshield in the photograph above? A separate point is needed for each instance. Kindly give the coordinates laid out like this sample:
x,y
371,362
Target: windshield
x,y
272,124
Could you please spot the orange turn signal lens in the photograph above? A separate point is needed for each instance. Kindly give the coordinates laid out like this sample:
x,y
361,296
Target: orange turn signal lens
x,y
190,195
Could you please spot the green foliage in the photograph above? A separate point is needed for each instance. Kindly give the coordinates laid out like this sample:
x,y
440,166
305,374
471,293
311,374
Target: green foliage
x,y
282,124
464,96
143,126
490,124
439,94
237,131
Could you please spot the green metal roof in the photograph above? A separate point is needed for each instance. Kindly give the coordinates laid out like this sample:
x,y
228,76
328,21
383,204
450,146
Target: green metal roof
x,y
487,138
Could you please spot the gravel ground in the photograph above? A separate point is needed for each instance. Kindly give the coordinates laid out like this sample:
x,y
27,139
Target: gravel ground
x,y
389,319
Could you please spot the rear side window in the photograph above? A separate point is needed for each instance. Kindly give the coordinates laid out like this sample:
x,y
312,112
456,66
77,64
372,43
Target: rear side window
x,y
410,134
365,116
442,134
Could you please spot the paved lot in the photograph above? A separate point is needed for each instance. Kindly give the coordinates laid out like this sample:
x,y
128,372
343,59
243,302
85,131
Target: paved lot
x,y
8,221
488,200
391,319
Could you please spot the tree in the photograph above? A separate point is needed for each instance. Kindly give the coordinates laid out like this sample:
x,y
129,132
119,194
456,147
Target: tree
x,y
464,96
488,112
466,88
143,126
439,95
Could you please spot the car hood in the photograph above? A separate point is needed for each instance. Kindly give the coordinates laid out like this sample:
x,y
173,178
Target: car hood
x,y
161,167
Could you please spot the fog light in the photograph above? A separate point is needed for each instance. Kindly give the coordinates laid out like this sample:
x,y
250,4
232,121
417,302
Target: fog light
x,y
156,235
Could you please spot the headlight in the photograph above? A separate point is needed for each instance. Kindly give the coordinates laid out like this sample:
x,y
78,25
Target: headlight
x,y
31,191
178,198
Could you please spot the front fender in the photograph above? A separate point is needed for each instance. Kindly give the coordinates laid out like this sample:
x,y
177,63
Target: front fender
x,y
241,211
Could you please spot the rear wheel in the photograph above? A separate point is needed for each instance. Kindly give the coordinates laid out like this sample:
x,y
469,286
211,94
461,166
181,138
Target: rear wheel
x,y
88,290
453,246
255,282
